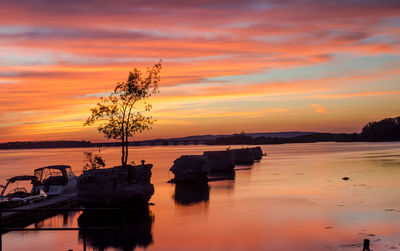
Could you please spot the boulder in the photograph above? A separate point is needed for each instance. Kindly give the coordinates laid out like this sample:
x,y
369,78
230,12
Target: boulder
x,y
257,152
116,187
243,156
221,160
190,168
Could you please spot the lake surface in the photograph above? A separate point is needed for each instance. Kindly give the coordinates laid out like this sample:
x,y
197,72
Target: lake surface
x,y
293,199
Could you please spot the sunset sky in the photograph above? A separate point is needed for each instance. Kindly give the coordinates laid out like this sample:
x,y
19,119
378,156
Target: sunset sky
x,y
228,66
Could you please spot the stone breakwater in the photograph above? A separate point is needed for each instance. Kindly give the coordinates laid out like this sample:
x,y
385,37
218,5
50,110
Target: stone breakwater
x,y
191,168
197,168
221,160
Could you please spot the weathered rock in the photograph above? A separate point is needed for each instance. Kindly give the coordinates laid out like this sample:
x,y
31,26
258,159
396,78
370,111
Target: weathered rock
x,y
190,168
243,156
257,152
221,160
118,186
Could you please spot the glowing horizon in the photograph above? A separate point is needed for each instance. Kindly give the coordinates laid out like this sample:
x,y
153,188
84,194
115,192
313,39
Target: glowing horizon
x,y
228,66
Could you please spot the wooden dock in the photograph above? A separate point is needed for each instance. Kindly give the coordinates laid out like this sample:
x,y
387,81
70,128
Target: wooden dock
x,y
22,217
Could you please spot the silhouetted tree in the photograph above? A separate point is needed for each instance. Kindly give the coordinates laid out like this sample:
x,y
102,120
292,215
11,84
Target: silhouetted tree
x,y
125,111
386,129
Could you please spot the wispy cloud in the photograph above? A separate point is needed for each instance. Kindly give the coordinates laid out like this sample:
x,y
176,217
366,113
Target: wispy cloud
x,y
318,108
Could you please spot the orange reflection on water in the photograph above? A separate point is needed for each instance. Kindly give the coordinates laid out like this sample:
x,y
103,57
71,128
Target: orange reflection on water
x,y
293,199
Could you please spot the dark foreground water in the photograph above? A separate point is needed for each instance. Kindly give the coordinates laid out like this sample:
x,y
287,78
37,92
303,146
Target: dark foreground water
x,y
294,199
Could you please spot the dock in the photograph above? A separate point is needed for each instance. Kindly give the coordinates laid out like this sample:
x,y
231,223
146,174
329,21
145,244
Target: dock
x,y
22,217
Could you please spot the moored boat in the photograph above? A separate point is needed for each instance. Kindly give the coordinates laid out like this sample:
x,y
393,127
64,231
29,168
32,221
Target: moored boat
x,y
19,196
54,180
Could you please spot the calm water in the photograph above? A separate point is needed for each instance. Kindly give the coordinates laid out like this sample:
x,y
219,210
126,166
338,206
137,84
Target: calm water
x,y
294,199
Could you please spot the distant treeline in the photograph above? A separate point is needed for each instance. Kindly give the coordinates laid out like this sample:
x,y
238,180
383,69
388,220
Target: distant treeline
x,y
242,139
45,144
384,130
55,144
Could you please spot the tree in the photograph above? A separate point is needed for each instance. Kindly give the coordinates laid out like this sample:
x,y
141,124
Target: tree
x,y
125,112
386,129
93,161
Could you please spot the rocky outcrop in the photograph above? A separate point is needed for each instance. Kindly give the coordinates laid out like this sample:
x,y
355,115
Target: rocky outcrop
x,y
243,156
190,168
116,187
221,160
257,152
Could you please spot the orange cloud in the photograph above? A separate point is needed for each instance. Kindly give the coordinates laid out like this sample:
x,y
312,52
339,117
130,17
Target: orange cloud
x,y
318,108
359,94
220,61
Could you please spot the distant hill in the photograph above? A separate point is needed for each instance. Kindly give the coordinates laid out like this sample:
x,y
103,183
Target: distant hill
x,y
44,144
253,135
67,144
385,130
244,139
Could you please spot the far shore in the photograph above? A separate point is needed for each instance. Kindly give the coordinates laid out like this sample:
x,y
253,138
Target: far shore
x,y
88,144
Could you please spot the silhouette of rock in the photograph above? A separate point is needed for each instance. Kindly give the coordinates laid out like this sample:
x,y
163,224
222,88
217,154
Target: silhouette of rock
x,y
221,160
257,152
132,229
189,194
345,178
243,156
119,186
221,175
190,168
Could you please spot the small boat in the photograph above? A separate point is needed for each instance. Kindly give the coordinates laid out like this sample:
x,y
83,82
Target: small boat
x,y
19,196
55,180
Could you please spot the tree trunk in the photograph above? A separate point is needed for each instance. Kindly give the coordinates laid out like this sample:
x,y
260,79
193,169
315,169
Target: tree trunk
x,y
126,150
123,163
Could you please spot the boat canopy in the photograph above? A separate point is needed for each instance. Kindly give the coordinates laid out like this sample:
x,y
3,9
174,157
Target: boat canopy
x,y
52,175
22,177
33,180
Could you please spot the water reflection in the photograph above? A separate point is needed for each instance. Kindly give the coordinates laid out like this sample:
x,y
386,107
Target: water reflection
x,y
221,175
267,206
132,229
189,194
65,220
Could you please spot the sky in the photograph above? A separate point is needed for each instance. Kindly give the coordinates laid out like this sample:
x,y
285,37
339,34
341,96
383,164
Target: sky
x,y
228,66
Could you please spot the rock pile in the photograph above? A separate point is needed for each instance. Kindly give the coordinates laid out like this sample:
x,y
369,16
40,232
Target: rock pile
x,y
221,160
213,165
243,156
190,168
257,153
116,187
